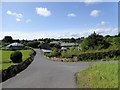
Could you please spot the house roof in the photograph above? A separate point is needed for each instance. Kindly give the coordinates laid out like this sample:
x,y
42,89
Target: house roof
x,y
14,44
55,42
69,44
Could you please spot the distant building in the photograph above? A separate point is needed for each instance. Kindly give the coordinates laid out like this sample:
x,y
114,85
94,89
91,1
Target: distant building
x,y
15,46
69,44
64,44
45,47
55,42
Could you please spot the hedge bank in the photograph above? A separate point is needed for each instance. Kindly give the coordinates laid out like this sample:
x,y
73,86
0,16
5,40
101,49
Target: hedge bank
x,y
15,69
83,56
99,55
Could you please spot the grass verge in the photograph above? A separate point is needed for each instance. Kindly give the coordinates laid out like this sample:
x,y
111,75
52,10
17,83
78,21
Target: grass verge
x,y
99,76
6,62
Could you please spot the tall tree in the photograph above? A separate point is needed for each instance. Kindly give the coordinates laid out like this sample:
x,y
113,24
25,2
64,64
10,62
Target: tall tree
x,y
94,41
8,39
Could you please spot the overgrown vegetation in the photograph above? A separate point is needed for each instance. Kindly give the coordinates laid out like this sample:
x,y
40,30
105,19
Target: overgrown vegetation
x,y
94,47
94,41
99,76
55,53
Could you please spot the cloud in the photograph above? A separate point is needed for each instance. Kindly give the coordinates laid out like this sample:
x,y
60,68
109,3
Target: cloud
x,y
103,23
95,13
9,12
92,1
28,20
105,31
18,16
85,33
43,12
17,19
60,34
71,15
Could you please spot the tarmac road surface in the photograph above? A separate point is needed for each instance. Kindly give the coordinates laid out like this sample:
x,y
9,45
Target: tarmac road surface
x,y
43,73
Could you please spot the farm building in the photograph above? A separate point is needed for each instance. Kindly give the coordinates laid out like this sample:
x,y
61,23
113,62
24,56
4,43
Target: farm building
x,y
15,46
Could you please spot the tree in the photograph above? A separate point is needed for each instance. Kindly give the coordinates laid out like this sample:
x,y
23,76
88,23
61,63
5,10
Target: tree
x,y
47,40
94,41
72,40
7,39
33,44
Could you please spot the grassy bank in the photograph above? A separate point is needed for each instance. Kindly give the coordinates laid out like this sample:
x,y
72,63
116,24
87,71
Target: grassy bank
x,y
99,76
5,56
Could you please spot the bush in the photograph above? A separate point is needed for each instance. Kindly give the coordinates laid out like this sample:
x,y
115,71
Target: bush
x,y
65,54
55,53
34,44
16,57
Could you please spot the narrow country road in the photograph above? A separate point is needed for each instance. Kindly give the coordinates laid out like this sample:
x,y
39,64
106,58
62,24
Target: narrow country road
x,y
43,73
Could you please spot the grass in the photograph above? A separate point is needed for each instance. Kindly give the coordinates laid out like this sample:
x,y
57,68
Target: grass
x,y
5,57
99,76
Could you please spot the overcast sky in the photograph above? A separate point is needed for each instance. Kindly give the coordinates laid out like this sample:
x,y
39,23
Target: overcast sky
x,y
33,20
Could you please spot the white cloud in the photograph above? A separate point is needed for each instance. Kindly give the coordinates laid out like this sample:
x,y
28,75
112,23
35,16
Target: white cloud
x,y
28,20
9,12
105,31
17,19
103,23
60,34
95,13
92,1
71,15
43,12
18,16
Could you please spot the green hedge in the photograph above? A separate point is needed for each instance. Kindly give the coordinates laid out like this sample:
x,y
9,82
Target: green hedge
x,y
99,55
81,56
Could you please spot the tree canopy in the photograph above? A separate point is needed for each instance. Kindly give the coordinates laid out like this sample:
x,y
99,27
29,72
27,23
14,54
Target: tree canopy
x,y
94,41
8,39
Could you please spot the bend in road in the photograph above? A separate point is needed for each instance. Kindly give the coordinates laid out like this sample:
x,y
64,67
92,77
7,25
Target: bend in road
x,y
43,73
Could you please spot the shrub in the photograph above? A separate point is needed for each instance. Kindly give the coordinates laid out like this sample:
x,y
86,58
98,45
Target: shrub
x,y
34,44
65,54
55,53
16,57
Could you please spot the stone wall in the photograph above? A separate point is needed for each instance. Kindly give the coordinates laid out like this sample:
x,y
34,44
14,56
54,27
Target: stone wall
x,y
15,69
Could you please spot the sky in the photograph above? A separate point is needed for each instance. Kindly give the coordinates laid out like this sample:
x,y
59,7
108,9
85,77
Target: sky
x,y
34,20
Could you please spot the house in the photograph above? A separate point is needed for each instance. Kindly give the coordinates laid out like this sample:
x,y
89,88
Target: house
x,y
64,44
69,44
55,42
15,46
45,47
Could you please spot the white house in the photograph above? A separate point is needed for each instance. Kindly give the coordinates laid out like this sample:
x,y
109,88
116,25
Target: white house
x,y
15,46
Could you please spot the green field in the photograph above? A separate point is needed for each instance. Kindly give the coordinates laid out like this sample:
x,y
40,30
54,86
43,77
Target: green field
x,y
99,76
5,57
